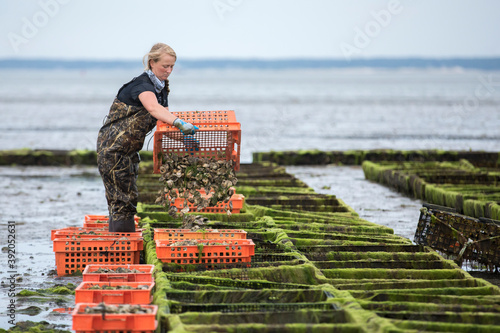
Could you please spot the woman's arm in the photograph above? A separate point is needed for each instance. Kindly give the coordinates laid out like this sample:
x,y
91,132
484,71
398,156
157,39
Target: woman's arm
x,y
150,103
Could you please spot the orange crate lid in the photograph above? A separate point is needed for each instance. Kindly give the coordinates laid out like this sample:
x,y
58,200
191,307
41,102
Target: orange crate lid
x,y
54,231
79,233
218,137
111,321
111,244
204,120
145,275
211,249
84,293
182,234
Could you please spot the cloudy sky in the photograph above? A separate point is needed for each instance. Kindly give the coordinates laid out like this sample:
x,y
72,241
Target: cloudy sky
x,y
267,29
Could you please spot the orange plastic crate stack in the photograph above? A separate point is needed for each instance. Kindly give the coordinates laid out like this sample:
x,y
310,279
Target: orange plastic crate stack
x,y
77,247
85,297
218,251
218,137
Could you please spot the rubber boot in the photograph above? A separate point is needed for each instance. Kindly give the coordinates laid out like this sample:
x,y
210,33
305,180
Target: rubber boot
x,y
119,223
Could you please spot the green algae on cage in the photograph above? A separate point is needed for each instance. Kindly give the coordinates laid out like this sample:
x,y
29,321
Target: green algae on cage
x,y
250,296
383,296
467,287
425,307
432,182
312,242
234,283
311,316
284,328
363,273
392,264
416,325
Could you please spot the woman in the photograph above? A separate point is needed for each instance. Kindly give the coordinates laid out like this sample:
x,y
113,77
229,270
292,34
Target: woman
x,y
134,112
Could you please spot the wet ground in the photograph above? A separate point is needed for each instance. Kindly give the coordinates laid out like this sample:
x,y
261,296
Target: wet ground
x,y
372,201
39,199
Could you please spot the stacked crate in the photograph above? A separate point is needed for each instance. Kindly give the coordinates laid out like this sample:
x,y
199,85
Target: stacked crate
x,y
218,137
75,247
130,289
131,292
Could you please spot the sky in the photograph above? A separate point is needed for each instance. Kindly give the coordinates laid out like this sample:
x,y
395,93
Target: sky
x,y
256,29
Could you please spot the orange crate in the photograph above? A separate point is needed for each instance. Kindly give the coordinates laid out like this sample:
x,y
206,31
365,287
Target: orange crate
x,y
146,275
76,229
182,234
84,293
236,199
75,255
219,132
236,251
79,233
92,322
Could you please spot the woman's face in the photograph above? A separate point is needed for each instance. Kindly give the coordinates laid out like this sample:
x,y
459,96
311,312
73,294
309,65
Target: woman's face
x,y
163,67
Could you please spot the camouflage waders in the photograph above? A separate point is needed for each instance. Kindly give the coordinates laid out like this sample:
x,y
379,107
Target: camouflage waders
x,y
118,144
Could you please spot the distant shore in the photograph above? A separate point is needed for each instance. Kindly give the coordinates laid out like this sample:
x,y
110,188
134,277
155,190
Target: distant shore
x,y
382,63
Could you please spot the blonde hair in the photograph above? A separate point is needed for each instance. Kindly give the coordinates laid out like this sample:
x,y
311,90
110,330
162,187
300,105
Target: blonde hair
x,y
155,54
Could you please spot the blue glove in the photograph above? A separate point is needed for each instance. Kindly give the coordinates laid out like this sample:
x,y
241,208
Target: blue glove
x,y
186,128
191,143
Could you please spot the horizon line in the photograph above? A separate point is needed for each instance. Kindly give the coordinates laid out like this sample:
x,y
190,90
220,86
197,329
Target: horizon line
x,y
486,63
259,59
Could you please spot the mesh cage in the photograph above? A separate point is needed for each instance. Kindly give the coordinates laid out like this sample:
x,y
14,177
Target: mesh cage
x,y
218,137
460,237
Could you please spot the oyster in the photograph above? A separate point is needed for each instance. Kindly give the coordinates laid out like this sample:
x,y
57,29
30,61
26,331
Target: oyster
x,y
187,176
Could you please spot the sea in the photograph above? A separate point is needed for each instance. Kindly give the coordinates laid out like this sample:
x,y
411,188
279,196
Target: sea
x,y
279,109
286,109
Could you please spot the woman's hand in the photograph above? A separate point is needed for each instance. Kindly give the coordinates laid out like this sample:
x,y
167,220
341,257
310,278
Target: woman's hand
x,y
186,128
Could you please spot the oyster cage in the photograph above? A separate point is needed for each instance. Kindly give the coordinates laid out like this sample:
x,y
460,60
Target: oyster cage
x,y
460,237
218,137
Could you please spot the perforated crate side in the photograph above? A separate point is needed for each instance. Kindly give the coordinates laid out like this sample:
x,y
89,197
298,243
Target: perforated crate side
x,y
111,321
235,251
72,262
218,137
85,293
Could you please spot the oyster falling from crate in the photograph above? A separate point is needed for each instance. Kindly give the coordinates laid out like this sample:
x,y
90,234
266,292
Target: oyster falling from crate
x,y
196,182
